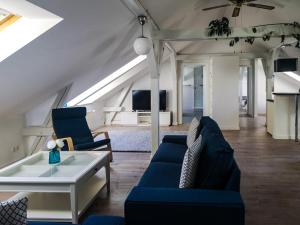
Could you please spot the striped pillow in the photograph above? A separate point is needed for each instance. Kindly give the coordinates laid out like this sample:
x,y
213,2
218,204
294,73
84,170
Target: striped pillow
x,y
190,164
193,131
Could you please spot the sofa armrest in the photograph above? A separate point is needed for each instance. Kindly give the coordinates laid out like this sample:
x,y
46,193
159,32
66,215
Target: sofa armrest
x,y
175,139
174,206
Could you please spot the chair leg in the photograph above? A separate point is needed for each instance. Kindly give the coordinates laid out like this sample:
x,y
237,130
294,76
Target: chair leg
x,y
110,150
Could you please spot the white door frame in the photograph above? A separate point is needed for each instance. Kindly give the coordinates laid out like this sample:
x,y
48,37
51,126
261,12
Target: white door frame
x,y
199,61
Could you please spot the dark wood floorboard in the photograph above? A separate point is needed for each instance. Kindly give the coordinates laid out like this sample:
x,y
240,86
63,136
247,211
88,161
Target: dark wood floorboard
x,y
270,183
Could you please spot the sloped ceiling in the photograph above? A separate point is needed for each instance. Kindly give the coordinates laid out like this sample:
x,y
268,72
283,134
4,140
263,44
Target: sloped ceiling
x,y
94,39
188,14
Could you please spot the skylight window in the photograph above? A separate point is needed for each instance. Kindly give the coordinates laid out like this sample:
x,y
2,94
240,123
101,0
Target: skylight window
x,y
7,19
293,75
94,92
3,15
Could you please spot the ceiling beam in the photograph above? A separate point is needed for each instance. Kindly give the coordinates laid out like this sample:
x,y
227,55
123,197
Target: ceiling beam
x,y
244,32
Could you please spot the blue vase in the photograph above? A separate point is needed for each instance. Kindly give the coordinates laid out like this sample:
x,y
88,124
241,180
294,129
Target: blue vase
x,y
54,156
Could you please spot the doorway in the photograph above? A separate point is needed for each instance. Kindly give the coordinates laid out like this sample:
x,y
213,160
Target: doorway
x,y
243,91
192,92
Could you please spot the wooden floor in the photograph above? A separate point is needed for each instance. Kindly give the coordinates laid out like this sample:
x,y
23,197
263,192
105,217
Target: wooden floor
x,y
270,176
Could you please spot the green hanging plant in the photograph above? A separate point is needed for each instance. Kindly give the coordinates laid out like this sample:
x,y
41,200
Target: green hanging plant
x,y
219,27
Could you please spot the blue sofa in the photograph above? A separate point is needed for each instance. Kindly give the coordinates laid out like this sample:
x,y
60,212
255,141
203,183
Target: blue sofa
x,y
157,198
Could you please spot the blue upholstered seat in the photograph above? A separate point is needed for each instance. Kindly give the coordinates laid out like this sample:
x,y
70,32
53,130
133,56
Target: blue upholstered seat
x,y
71,122
160,174
168,152
47,223
104,220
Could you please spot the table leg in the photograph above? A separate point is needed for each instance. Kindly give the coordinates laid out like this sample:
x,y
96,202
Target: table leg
x,y
296,117
107,172
74,204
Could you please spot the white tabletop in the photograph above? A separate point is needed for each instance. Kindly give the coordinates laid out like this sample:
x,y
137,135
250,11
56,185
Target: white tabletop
x,y
36,169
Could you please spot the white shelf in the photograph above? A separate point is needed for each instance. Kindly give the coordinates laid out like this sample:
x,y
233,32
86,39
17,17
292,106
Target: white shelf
x,y
57,207
142,119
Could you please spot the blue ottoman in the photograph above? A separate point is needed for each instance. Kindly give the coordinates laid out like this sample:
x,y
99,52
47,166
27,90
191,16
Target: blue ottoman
x,y
91,220
104,220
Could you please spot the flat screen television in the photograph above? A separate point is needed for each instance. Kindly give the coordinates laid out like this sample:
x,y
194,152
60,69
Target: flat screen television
x,y
141,100
286,65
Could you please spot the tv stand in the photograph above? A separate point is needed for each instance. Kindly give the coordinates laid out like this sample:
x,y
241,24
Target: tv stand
x,y
142,118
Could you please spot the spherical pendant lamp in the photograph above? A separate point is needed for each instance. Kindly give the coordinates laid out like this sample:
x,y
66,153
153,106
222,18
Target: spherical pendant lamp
x,y
142,45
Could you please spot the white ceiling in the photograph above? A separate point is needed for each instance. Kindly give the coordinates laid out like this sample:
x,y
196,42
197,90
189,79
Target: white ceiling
x,y
188,14
95,38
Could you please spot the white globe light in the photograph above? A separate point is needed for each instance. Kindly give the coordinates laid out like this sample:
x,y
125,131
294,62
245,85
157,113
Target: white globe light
x,y
142,46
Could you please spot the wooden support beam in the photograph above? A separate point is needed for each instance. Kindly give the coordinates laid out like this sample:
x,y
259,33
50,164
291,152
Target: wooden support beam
x,y
120,101
59,102
154,59
173,62
37,131
242,32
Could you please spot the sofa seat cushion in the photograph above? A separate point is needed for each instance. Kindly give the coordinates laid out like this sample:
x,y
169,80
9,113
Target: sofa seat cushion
x,y
168,152
161,174
104,220
92,145
46,223
216,160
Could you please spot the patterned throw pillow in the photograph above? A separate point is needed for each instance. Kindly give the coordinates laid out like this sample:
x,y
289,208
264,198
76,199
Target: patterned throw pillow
x,y
14,212
192,133
190,164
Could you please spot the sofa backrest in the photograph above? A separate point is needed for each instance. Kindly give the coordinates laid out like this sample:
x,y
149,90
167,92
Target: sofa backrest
x,y
215,161
210,125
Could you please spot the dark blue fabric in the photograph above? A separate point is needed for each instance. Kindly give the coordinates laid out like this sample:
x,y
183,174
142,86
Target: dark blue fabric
x,y
175,139
71,122
215,162
174,206
46,223
104,220
160,174
92,145
210,125
234,180
168,152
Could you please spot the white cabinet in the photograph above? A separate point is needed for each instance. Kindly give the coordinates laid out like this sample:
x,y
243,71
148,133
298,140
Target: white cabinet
x,y
142,119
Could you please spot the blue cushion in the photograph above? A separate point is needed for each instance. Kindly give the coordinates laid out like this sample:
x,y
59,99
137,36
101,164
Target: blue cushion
x,y
104,220
46,223
168,152
71,122
210,125
175,139
92,145
160,174
215,163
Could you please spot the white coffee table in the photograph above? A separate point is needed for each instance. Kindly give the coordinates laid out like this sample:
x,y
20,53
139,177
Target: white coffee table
x,y
60,192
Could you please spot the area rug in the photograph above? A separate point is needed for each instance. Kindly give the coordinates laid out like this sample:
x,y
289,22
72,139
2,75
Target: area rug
x,y
135,141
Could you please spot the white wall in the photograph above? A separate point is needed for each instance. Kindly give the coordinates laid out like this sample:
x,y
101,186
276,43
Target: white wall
x,y
260,88
11,140
144,83
284,83
225,91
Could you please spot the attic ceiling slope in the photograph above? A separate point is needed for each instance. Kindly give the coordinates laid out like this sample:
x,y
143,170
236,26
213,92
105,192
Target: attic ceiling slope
x,y
94,39
188,14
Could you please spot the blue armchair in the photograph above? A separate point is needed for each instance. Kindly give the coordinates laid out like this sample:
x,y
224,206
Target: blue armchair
x,y
70,125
